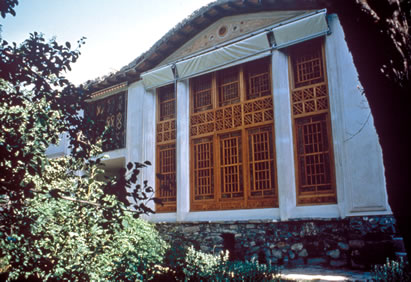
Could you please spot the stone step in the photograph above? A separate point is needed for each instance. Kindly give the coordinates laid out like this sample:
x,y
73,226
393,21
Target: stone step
x,y
398,244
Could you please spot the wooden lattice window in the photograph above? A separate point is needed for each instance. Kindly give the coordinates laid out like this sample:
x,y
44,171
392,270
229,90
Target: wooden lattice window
x,y
261,161
167,171
228,86
203,169
167,102
312,129
112,111
231,165
308,64
231,136
313,155
258,79
166,187
201,89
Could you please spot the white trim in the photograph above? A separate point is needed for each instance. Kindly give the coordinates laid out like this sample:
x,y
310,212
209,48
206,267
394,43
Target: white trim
x,y
218,216
112,90
321,211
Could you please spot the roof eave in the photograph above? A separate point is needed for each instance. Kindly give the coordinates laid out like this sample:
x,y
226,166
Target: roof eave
x,y
190,26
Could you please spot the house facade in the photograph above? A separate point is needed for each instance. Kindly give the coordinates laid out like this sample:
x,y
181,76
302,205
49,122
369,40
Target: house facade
x,y
252,115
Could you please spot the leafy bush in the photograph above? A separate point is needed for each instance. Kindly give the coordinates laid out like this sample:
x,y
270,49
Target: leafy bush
x,y
202,266
57,220
251,271
392,271
198,266
62,239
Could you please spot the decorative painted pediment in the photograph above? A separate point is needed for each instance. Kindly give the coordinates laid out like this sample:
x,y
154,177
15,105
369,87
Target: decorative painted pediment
x,y
229,28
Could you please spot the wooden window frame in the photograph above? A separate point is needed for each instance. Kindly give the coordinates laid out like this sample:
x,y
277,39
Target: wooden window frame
x,y
115,117
235,119
316,105
166,133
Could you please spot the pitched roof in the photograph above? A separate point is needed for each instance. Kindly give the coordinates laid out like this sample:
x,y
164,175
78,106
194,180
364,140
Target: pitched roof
x,y
189,27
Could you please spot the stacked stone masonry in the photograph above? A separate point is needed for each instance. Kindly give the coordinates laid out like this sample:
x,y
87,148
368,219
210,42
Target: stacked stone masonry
x,y
357,242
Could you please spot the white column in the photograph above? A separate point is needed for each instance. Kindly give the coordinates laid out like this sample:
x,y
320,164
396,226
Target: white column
x,y
134,122
147,140
283,134
183,150
141,131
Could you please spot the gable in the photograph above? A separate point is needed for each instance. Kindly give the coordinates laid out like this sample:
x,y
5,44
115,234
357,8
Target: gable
x,y
230,28
291,29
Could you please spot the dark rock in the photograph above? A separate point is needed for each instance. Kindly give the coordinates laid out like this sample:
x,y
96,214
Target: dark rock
x,y
335,254
316,261
281,244
356,244
338,263
297,247
303,253
277,253
343,246
296,262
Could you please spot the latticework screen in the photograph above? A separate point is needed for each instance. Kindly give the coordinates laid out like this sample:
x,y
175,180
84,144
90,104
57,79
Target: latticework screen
x,y
166,149
314,158
231,166
310,99
203,169
228,85
261,161
233,159
167,171
202,93
112,111
310,108
258,79
167,103
308,64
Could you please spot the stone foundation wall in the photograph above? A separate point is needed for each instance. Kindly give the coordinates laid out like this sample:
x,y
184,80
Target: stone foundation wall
x,y
352,242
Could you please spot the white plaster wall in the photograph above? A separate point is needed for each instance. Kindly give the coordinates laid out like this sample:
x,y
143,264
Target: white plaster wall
x,y
59,150
358,158
359,167
141,130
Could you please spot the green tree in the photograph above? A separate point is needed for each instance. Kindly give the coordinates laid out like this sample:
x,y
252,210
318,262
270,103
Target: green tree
x,y
58,221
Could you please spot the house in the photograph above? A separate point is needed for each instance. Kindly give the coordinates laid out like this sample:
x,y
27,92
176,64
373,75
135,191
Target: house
x,y
253,117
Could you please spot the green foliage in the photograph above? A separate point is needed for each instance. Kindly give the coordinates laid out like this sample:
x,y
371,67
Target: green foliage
x,y
83,234
7,7
198,266
392,271
58,220
202,266
37,104
251,271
